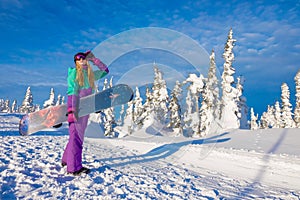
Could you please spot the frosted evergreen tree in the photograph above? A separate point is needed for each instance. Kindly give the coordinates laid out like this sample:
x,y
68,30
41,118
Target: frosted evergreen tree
x,y
286,107
1,104
271,116
210,107
263,121
253,122
297,107
206,116
188,113
120,121
147,116
138,107
230,115
206,111
213,86
129,118
59,100
242,105
14,106
277,115
160,96
109,121
51,100
192,116
27,104
148,105
105,84
175,109
6,106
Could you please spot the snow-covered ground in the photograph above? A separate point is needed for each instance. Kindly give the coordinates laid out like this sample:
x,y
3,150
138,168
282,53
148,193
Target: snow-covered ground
x,y
238,164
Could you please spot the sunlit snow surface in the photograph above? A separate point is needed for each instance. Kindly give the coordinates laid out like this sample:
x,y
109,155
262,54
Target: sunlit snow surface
x,y
239,164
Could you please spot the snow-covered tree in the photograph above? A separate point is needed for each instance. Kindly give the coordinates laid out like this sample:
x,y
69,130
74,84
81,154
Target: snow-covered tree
x,y
6,106
129,118
105,84
138,107
213,86
120,121
297,107
27,104
253,122
210,107
1,104
230,115
242,105
109,121
277,115
189,109
270,116
51,100
175,109
59,100
286,107
147,116
263,121
160,95
192,114
14,106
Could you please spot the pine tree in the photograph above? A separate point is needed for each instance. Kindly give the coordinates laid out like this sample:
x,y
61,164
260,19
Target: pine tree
x,y
242,105
192,116
188,113
138,107
6,106
129,118
14,106
286,107
277,115
59,100
1,104
271,116
229,104
51,100
297,107
213,86
210,107
160,96
120,121
109,121
253,121
175,110
27,104
263,121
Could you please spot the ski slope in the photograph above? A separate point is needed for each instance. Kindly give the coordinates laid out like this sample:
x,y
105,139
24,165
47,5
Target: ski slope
x,y
238,164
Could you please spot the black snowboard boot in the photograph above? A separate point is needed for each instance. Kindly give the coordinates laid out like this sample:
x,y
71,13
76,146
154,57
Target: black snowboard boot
x,y
82,170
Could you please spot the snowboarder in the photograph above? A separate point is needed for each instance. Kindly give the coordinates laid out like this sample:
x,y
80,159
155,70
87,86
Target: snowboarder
x,y
80,83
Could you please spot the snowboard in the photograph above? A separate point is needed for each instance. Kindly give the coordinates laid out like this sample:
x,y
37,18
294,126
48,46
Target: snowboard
x,y
54,115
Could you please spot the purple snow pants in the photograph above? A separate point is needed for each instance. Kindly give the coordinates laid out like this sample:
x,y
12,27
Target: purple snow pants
x,y
73,152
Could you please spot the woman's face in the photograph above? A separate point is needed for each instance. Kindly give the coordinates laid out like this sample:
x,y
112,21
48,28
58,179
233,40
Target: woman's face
x,y
81,62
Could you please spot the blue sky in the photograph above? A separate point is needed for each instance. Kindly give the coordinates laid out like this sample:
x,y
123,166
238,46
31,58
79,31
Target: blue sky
x,y
39,38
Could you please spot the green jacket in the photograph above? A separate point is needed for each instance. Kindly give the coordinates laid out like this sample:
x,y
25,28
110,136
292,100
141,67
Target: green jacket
x,y
73,85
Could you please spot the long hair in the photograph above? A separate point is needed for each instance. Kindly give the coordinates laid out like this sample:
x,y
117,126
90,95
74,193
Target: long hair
x,y
80,77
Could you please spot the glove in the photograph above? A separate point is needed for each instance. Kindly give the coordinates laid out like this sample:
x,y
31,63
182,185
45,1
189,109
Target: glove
x,y
73,102
72,118
89,55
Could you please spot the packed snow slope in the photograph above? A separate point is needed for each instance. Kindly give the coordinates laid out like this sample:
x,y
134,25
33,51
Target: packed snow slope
x,y
238,164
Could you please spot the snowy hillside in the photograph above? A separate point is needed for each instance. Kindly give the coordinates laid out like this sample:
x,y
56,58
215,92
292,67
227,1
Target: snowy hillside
x,y
238,164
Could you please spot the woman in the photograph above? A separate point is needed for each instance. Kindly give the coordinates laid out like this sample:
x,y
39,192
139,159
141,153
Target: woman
x,y
80,83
